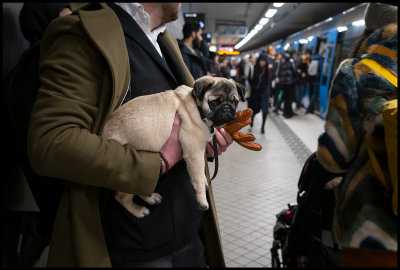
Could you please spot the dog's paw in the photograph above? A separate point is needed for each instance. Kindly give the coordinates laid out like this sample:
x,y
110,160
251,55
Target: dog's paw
x,y
140,211
203,206
126,200
155,198
202,203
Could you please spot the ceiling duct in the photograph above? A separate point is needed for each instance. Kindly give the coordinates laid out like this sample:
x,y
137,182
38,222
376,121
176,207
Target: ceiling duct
x,y
229,32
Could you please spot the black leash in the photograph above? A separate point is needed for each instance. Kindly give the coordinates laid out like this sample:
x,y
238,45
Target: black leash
x,y
211,127
215,156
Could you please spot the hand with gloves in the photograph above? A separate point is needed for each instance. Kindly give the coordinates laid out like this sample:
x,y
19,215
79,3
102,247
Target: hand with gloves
x,y
244,139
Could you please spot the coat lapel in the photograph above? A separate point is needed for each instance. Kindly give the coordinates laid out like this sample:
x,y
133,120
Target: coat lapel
x,y
136,33
110,45
172,43
172,61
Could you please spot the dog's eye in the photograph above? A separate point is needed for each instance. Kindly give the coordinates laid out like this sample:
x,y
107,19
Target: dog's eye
x,y
235,101
214,102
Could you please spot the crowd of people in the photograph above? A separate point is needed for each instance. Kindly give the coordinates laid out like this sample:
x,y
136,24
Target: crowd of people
x,y
276,81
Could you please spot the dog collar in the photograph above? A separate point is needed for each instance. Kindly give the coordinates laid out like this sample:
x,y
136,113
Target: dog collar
x,y
209,123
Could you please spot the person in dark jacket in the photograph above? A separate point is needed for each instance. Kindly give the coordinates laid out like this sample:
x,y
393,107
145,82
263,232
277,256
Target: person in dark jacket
x,y
213,64
314,81
34,18
27,233
286,78
275,90
260,92
302,82
224,70
189,46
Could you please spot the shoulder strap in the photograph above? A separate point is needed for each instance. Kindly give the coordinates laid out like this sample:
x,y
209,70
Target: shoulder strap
x,y
384,72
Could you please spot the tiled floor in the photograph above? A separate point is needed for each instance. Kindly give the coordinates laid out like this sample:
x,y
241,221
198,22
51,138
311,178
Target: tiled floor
x,y
252,187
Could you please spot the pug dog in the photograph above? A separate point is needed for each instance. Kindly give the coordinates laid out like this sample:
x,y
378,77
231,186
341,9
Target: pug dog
x,y
145,123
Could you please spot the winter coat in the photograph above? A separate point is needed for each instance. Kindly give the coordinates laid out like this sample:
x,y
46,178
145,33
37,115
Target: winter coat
x,y
195,63
303,69
91,43
286,71
363,215
260,92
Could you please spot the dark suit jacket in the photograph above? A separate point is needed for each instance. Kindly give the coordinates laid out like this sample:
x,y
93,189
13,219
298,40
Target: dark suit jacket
x,y
195,63
130,239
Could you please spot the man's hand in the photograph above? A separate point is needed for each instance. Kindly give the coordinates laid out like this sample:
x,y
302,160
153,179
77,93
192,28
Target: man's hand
x,y
172,150
224,139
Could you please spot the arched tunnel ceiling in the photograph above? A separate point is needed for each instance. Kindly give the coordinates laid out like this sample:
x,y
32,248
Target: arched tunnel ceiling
x,y
290,18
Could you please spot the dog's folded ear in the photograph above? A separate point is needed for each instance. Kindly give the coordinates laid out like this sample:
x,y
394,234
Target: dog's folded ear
x,y
241,90
201,86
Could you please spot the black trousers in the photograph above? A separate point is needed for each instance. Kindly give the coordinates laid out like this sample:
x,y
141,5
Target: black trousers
x,y
192,255
288,98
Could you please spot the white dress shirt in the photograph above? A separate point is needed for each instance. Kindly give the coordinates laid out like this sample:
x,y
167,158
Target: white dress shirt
x,y
142,18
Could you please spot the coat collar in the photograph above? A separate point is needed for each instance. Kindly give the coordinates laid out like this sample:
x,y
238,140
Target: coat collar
x,y
135,32
110,45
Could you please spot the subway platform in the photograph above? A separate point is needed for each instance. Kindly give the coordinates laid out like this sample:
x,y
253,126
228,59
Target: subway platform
x,y
252,187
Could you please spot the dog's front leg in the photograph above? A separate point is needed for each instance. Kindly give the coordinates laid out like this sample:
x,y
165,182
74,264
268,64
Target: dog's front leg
x,y
196,168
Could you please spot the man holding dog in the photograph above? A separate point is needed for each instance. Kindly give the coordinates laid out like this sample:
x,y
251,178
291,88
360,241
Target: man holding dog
x,y
92,61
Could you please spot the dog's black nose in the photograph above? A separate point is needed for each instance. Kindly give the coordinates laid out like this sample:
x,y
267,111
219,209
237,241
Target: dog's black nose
x,y
226,108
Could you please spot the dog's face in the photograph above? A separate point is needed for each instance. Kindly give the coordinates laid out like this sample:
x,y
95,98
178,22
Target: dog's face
x,y
218,98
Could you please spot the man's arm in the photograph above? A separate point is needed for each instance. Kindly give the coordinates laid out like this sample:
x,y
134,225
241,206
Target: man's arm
x,y
61,142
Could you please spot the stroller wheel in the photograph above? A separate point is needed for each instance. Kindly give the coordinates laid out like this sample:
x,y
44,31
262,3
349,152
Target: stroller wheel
x,y
275,261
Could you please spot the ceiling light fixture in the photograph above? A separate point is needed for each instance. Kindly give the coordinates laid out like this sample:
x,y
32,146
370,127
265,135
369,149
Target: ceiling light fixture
x,y
258,27
278,4
271,12
263,21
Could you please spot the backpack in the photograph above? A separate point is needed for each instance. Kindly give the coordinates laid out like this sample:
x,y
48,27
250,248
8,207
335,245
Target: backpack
x,y
21,85
313,68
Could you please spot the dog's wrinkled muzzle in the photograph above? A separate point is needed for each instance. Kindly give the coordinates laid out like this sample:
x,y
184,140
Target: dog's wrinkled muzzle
x,y
224,115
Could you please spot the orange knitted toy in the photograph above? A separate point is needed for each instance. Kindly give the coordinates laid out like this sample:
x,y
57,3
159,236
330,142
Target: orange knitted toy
x,y
244,139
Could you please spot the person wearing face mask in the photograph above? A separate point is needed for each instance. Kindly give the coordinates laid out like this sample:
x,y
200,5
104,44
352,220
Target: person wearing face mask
x,y
190,46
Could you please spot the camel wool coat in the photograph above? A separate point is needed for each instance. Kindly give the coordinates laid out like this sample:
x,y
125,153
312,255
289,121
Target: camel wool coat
x,y
84,74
